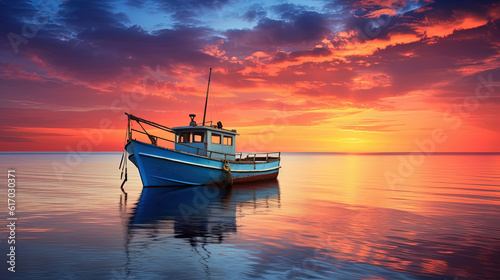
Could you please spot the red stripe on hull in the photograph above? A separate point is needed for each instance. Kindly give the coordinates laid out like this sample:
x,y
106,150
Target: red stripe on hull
x,y
256,178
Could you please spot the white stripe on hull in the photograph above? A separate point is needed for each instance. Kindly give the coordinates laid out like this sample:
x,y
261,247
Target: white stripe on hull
x,y
207,166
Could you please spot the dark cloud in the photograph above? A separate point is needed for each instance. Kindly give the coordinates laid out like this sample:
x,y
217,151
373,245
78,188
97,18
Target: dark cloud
x,y
174,5
92,14
444,10
87,42
304,28
11,20
288,11
315,52
255,12
180,10
371,28
365,7
280,56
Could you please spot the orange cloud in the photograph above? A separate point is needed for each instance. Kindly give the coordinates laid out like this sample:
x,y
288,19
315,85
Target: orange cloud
x,y
445,28
371,80
381,12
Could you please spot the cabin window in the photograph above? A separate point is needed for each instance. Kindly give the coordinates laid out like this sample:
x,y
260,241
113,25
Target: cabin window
x,y
216,138
198,137
184,137
228,140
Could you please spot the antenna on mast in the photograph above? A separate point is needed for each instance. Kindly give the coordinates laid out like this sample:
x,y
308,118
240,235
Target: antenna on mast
x,y
206,99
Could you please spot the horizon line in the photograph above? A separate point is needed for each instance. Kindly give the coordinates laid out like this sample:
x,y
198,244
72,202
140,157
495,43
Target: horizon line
x,y
337,153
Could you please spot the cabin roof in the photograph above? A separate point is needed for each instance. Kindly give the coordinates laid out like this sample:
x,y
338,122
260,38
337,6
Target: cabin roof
x,y
204,127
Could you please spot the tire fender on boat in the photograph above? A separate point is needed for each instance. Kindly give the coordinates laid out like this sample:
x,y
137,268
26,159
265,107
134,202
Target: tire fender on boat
x,y
227,169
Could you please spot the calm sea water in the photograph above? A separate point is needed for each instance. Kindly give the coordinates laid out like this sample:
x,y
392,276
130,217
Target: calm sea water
x,y
327,217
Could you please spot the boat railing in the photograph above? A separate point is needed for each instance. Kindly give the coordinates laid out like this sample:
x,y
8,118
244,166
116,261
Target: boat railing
x,y
258,157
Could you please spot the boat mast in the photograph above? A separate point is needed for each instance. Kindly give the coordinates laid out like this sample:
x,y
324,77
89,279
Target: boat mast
x,y
206,99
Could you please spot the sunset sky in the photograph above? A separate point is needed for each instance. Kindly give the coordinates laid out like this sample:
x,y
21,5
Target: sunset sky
x,y
318,76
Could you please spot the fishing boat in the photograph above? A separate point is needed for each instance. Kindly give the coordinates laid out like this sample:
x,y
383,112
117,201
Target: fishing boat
x,y
196,154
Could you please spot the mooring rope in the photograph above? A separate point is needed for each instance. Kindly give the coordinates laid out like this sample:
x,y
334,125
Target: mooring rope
x,y
124,160
124,169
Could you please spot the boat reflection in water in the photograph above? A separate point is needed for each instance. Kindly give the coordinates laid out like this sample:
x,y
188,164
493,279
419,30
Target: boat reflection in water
x,y
173,231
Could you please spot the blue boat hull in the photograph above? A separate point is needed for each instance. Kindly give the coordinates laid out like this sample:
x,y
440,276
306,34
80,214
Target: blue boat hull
x,y
165,167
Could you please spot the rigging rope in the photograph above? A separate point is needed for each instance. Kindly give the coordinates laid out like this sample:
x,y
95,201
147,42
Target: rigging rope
x,y
215,104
